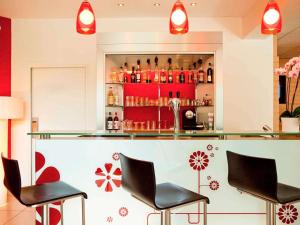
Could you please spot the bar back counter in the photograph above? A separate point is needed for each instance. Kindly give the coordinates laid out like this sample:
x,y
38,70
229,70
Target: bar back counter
x,y
194,160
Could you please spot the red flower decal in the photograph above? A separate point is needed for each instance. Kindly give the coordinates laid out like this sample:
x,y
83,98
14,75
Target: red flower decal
x,y
209,147
109,219
123,211
116,156
288,214
108,178
198,160
214,185
49,174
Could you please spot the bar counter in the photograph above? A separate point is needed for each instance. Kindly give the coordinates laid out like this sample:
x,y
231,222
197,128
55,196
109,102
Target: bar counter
x,y
89,160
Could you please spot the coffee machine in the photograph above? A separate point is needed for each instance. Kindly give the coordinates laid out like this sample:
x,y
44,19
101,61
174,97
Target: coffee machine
x,y
189,121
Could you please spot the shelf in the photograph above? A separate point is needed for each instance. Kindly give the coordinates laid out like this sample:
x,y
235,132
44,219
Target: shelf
x,y
114,106
111,83
205,84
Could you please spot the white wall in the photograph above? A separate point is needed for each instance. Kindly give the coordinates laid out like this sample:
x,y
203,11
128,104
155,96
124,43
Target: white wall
x,y
247,68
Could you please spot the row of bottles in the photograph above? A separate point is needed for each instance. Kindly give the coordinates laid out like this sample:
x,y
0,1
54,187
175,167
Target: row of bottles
x,y
113,123
195,73
112,97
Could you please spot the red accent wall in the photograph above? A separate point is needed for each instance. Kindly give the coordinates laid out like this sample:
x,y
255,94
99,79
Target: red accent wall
x,y
5,65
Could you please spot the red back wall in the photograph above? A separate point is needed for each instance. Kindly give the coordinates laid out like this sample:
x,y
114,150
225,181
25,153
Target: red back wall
x,y
5,65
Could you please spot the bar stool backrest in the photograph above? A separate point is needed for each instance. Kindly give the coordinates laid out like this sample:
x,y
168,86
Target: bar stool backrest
x,y
138,178
12,177
251,174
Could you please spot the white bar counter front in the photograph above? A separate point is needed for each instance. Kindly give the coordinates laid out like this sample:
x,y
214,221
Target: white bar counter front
x,y
90,162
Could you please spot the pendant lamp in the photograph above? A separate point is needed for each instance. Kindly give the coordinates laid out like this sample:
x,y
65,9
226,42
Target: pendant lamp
x,y
272,20
86,23
179,23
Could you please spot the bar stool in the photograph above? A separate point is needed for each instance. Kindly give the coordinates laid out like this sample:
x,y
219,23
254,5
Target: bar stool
x,y
258,177
39,195
138,178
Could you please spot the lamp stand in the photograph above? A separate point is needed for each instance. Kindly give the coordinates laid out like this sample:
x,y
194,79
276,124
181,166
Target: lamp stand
x,y
3,149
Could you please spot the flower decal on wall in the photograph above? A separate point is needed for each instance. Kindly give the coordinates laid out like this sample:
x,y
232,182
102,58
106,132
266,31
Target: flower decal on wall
x,y
214,185
116,156
123,211
49,174
198,160
288,214
108,178
209,147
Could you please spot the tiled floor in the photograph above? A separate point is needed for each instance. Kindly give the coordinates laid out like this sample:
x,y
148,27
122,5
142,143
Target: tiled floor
x,y
15,214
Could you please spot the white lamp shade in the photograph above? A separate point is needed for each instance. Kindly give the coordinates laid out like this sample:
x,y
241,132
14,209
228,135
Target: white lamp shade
x,y
11,108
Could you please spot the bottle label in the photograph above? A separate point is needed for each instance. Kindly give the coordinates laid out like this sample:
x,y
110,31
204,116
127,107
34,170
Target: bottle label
x,y
116,125
109,125
209,78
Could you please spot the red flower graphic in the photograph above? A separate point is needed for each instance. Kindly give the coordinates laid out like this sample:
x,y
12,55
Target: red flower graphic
x,y
116,156
107,178
109,219
198,160
288,214
123,211
209,147
214,185
49,174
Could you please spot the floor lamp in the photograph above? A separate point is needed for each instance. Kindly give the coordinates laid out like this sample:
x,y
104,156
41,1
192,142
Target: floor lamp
x,y
10,108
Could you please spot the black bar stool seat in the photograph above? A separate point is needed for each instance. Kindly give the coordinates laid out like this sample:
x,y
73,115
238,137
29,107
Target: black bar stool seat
x,y
258,177
39,195
48,192
138,178
170,195
287,194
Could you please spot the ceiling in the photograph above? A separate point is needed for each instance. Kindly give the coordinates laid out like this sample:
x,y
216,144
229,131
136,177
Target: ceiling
x,y
132,8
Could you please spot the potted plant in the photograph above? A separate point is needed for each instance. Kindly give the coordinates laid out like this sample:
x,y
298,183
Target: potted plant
x,y
290,117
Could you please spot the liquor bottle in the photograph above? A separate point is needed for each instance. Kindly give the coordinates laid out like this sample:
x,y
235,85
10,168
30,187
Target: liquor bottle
x,y
116,99
190,76
148,72
110,97
109,122
195,73
116,125
177,75
138,72
181,76
125,72
200,72
121,75
210,73
170,71
163,78
133,77
156,71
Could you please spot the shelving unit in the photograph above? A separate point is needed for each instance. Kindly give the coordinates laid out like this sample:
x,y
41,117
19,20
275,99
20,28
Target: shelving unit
x,y
155,91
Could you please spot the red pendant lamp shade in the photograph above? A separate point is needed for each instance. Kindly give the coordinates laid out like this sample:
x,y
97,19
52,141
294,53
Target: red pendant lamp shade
x,y
86,23
179,23
272,20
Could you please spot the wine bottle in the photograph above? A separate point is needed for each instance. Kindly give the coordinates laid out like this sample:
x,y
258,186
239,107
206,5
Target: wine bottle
x,y
133,77
138,72
190,76
210,73
148,73
163,78
110,97
200,72
181,76
170,71
156,71
125,72
109,124
116,122
195,73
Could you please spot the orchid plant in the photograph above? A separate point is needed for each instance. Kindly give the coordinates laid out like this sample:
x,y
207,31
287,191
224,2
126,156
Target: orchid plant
x,y
292,71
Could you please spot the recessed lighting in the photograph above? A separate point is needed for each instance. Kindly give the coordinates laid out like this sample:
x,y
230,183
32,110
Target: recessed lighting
x,y
193,4
156,4
121,4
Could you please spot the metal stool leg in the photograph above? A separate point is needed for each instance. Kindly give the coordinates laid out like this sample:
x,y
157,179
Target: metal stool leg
x,y
204,213
166,217
268,216
83,210
47,214
273,214
62,213
42,215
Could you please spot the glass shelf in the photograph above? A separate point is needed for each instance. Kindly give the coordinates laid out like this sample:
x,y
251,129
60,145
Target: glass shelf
x,y
206,133
114,106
